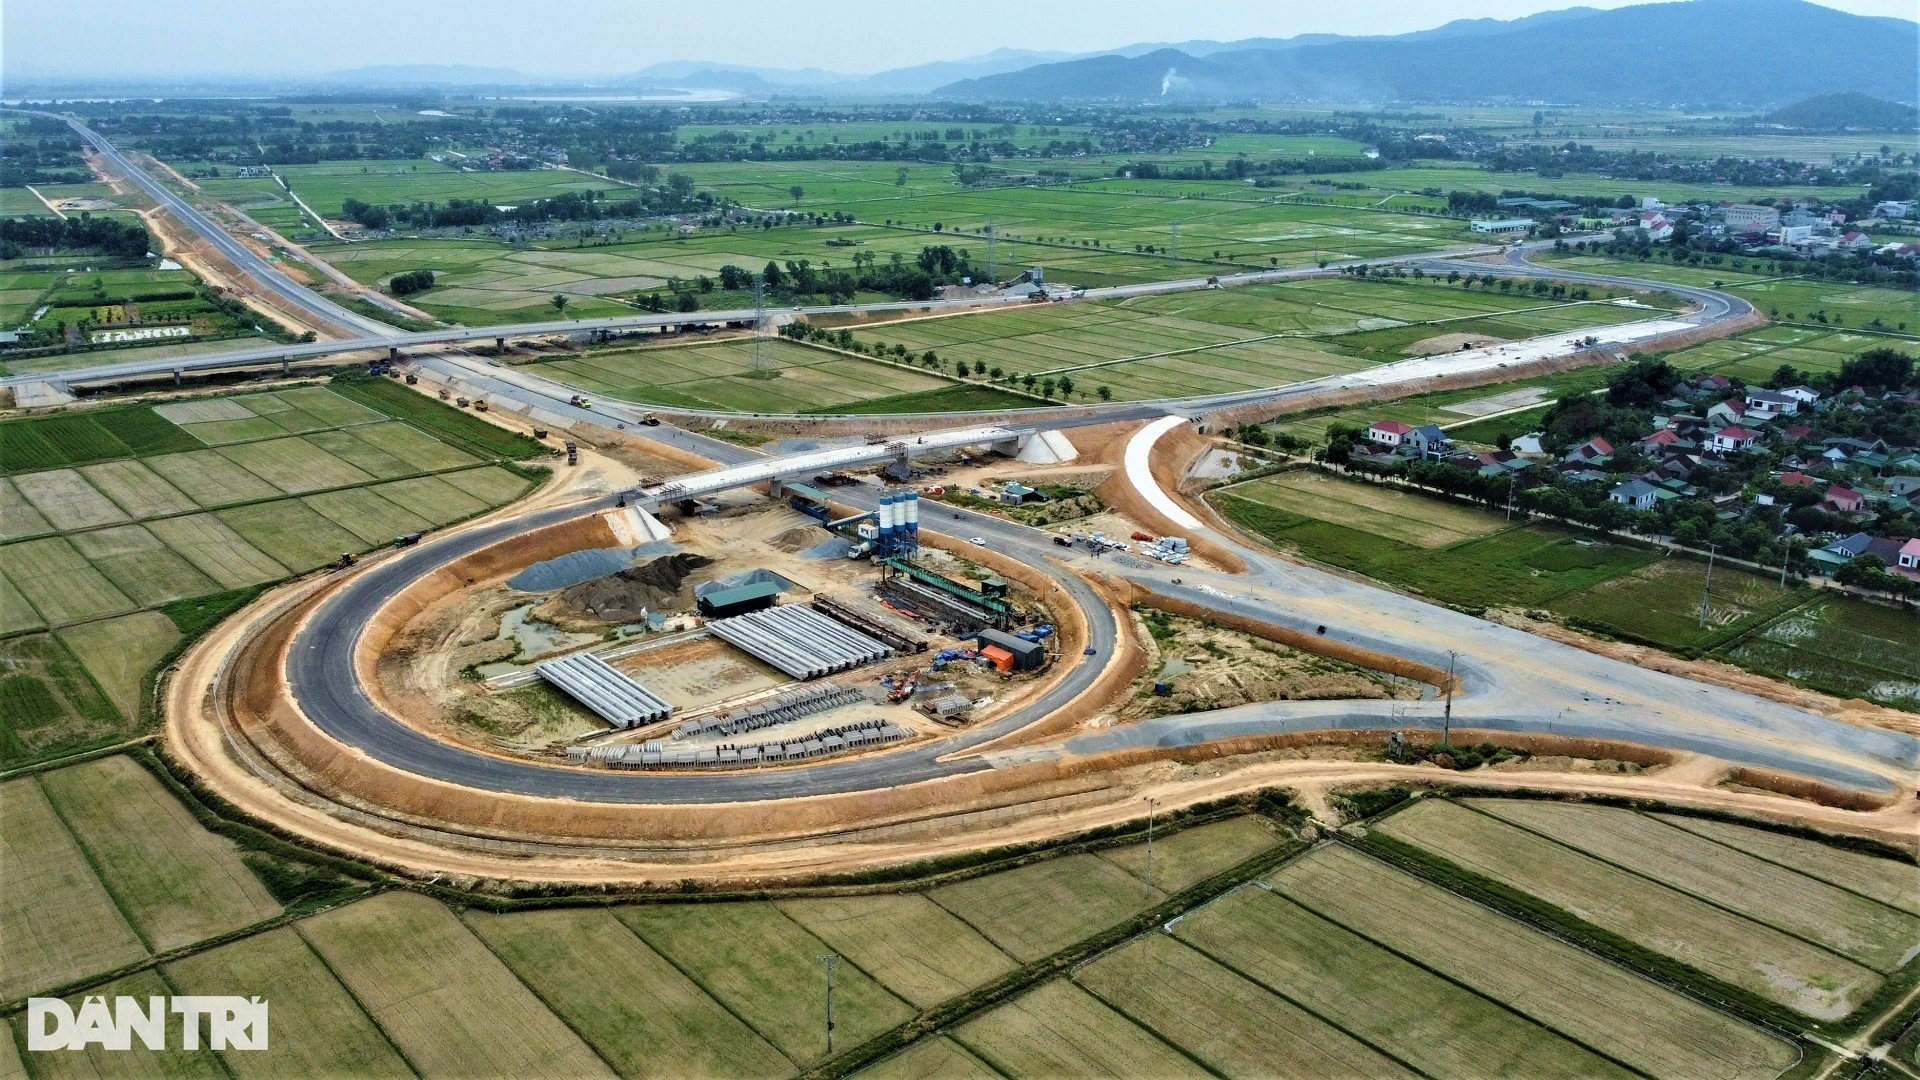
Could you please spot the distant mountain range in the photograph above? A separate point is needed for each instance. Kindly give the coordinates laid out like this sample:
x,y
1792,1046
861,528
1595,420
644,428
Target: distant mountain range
x,y
1756,54
1724,52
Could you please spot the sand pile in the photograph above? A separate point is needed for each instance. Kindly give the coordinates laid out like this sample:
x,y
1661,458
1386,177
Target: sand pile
x,y
658,585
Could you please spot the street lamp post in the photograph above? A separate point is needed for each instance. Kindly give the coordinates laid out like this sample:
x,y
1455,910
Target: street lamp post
x,y
1151,803
1707,593
831,961
1446,715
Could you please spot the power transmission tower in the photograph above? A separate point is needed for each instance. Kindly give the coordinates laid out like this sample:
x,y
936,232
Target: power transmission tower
x,y
759,361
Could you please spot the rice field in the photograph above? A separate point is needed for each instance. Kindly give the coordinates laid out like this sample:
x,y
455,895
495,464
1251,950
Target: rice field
x,y
775,376
1401,1009
640,1013
137,490
935,1058
1841,646
765,968
449,1005
1612,1010
137,1061
67,502
1406,517
217,551
51,704
119,652
1232,1024
147,571
1758,958
1194,854
908,943
58,921
1855,927
177,882
1889,881
1037,910
59,582
316,1027
1059,1029
210,479
1660,602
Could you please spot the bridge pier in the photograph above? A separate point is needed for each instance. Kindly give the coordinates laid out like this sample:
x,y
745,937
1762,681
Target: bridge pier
x,y
393,354
499,344
286,366
176,376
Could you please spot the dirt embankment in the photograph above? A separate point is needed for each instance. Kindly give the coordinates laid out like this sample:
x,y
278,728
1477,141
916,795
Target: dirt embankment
x,y
1173,455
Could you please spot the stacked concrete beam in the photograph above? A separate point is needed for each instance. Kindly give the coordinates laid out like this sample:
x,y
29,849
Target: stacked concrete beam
x,y
799,641
612,694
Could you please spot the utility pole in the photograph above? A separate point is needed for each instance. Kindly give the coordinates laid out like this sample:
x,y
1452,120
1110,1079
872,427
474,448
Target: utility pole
x,y
1174,248
1707,593
1151,802
1511,479
831,961
1786,556
991,275
1446,717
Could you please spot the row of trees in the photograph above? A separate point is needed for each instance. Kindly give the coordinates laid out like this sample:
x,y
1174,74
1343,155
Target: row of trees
x,y
413,281
108,236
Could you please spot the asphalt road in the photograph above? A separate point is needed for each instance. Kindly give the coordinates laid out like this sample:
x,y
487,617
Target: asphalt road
x,y
324,683
264,274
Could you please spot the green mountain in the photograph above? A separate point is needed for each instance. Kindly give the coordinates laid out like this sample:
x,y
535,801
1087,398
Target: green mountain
x,y
1848,111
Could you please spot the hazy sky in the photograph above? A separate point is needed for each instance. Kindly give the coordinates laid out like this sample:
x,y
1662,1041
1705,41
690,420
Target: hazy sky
x,y
188,38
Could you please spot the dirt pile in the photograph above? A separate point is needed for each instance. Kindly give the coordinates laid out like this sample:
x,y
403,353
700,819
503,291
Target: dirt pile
x,y
659,585
1210,667
798,539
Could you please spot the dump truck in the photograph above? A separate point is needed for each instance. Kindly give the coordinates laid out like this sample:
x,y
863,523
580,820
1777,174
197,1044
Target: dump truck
x,y
462,402
406,540
650,420
573,453
412,379
481,405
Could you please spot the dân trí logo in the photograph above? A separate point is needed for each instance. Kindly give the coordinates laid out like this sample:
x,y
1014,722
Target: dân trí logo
x,y
233,1023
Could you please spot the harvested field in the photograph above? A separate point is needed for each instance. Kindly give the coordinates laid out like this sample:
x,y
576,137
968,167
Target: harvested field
x,y
1765,961
1886,880
228,432
1235,1026
1038,910
1419,1018
178,882
137,489
317,1028
61,584
1061,1030
446,1002
97,1062
119,652
67,501
1567,989
907,942
1861,929
934,1058
319,402
12,1068
640,1013
366,515
143,568
203,411
1190,855
766,970
57,920
431,498
1383,511
211,480
291,532
18,518
295,466
216,550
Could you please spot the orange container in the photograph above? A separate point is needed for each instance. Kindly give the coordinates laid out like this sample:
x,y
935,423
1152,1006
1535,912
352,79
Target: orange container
x,y
1000,657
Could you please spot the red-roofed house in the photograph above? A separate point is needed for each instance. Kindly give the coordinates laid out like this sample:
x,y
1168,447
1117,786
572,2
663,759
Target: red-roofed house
x,y
1592,450
1659,440
1858,241
1843,500
1797,479
1797,432
1907,563
1388,432
1733,438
